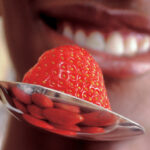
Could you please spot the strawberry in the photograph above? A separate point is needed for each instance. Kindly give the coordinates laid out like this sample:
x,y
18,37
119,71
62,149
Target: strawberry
x,y
62,117
92,130
36,122
41,100
67,107
35,111
19,105
63,132
68,127
98,119
21,95
72,70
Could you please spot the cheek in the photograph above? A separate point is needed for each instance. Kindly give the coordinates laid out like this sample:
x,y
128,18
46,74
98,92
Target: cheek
x,y
130,96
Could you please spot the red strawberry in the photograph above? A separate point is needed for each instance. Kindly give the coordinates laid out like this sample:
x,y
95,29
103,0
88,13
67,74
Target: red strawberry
x,y
35,111
98,119
19,105
36,122
41,100
92,130
21,95
63,132
68,127
70,69
67,107
62,117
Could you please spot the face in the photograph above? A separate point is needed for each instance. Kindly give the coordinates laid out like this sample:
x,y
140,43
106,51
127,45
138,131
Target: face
x,y
115,32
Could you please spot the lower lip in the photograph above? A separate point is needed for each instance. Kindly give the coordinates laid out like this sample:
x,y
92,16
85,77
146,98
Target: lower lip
x,y
112,66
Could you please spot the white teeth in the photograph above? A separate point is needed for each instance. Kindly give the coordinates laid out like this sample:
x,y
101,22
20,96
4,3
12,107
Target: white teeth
x,y
95,41
68,32
131,45
144,44
114,44
80,37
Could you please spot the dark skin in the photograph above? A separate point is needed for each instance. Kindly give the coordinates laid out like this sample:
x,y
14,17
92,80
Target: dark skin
x,y
26,33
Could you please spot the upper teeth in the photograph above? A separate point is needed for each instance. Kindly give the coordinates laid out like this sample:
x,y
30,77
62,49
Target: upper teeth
x,y
131,45
115,43
95,41
68,32
80,37
144,44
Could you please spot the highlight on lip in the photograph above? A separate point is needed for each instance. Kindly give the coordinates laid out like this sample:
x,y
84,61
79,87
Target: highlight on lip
x,y
115,42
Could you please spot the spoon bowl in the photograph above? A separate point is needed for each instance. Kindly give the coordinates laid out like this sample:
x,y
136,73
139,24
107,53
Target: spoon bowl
x,y
63,114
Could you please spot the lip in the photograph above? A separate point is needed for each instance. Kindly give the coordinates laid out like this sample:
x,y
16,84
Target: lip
x,y
112,66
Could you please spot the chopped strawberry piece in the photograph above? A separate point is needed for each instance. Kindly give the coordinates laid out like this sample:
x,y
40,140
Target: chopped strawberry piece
x,y
68,127
21,95
35,111
62,117
68,107
98,119
20,106
92,130
41,100
63,132
37,122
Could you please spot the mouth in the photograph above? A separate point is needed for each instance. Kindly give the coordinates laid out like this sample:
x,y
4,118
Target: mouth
x,y
121,49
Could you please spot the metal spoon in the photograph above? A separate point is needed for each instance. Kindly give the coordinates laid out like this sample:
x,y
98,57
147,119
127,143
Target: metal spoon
x,y
97,123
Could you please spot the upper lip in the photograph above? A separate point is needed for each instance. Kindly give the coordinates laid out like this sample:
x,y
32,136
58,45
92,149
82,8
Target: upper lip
x,y
78,10
97,13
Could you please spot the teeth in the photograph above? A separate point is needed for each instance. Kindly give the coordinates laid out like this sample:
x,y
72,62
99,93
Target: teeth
x,y
95,41
114,44
144,44
68,32
80,37
131,45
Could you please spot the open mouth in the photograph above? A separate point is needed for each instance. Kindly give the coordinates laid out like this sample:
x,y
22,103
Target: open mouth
x,y
121,49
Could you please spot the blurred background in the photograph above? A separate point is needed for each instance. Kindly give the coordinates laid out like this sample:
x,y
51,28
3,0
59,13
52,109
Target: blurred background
x,y
7,72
